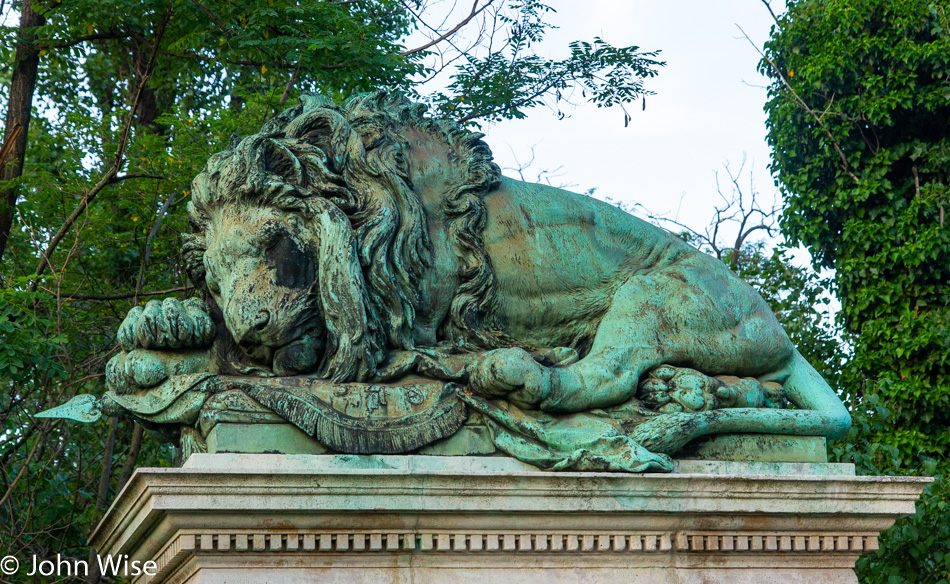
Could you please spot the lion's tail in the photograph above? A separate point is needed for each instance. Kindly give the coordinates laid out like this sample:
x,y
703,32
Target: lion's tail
x,y
808,390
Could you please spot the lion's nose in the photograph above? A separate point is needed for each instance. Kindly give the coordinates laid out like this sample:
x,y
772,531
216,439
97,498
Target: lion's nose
x,y
250,329
261,320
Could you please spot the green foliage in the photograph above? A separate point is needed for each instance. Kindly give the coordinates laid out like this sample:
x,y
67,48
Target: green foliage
x,y
216,48
917,548
509,80
48,508
858,118
25,350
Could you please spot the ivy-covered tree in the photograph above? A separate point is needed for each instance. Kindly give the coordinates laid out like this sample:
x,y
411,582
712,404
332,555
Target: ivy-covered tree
x,y
859,123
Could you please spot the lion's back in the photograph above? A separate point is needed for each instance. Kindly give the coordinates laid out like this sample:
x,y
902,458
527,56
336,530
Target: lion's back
x,y
575,234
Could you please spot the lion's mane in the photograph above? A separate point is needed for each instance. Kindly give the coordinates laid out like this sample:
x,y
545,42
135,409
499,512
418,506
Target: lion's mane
x,y
346,166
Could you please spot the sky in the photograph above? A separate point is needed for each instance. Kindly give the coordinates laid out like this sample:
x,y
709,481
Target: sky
x,y
707,110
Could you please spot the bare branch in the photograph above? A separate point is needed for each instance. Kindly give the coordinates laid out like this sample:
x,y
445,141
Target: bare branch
x,y
150,243
101,36
459,52
747,232
844,160
290,83
245,62
26,464
123,295
210,14
739,209
475,11
131,175
768,5
544,175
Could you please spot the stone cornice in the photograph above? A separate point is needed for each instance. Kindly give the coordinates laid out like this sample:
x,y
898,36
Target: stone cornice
x,y
187,545
269,505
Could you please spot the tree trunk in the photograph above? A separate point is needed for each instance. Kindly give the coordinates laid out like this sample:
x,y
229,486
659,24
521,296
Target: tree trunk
x,y
22,85
135,446
147,109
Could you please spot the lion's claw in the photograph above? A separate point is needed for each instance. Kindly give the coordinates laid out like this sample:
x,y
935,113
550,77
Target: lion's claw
x,y
168,324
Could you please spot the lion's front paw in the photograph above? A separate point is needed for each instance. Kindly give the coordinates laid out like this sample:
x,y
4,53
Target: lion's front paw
x,y
168,324
673,389
512,374
142,369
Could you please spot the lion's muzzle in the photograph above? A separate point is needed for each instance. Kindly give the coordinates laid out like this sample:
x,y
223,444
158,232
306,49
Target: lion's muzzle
x,y
299,357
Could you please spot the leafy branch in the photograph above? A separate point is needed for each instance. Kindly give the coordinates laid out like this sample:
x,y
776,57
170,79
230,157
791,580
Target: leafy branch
x,y
111,175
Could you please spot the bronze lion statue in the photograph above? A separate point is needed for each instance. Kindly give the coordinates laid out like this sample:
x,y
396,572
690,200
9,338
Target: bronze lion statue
x,y
363,243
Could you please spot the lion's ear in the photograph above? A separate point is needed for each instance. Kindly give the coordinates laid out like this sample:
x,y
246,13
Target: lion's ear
x,y
350,351
278,160
328,131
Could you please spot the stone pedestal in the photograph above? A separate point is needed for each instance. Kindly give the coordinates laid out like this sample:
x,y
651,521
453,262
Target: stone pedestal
x,y
287,519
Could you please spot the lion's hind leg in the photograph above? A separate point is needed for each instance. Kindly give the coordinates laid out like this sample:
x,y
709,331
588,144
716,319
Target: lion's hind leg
x,y
808,390
683,315
653,319
818,412
709,322
669,389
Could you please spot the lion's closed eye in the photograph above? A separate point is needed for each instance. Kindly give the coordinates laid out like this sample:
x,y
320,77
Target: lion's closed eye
x,y
294,268
271,234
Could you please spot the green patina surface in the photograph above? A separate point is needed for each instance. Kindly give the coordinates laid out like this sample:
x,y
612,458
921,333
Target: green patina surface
x,y
367,274
758,448
261,439
476,440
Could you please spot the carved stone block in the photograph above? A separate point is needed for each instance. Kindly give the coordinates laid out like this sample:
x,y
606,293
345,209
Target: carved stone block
x,y
425,519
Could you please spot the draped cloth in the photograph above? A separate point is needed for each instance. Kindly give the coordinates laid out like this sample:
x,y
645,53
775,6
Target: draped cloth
x,y
417,400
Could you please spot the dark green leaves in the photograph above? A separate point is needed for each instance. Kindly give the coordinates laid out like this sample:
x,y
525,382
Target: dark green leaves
x,y
875,80
510,78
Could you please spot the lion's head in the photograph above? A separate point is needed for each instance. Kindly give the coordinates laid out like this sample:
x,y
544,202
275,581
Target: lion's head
x,y
310,238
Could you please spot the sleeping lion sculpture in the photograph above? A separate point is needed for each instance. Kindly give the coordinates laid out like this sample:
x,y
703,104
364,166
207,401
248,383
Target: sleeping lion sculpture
x,y
355,248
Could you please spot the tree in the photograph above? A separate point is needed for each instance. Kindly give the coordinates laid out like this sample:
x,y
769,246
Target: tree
x,y
118,106
858,120
19,112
